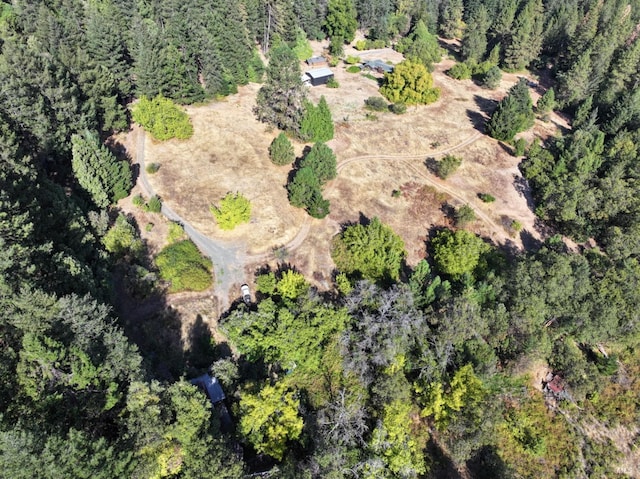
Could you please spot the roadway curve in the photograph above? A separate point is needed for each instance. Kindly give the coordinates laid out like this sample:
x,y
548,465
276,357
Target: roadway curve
x,y
228,259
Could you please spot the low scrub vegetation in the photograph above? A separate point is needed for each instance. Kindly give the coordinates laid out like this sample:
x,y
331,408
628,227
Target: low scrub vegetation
x,y
447,166
184,268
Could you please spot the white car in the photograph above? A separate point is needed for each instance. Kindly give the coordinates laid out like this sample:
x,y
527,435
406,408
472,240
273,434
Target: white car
x,y
246,293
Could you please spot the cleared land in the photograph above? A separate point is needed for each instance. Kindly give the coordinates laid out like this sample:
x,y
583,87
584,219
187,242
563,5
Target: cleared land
x,y
228,152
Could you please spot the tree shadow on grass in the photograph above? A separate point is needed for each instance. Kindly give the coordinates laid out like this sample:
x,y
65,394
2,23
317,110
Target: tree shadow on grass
x,y
477,119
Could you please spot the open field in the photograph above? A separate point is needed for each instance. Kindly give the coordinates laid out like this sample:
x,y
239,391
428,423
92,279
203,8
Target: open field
x,y
228,152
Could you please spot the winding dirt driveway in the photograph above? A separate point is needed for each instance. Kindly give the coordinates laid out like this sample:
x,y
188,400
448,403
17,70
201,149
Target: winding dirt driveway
x,y
228,258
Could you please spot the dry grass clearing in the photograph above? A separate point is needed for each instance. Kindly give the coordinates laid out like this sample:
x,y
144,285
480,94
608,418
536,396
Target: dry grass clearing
x,y
228,152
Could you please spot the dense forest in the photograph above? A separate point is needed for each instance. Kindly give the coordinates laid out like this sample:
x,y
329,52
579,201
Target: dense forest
x,y
396,372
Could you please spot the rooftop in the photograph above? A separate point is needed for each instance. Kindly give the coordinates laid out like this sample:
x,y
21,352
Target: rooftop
x,y
319,72
211,386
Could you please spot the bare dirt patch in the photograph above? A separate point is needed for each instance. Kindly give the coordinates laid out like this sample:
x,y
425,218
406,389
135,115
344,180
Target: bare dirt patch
x,y
229,153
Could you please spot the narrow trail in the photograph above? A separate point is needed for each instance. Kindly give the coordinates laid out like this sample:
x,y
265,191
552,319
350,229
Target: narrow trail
x,y
228,259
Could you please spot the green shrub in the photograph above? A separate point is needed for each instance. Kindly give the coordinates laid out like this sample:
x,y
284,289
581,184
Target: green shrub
x,y
122,239
361,45
182,265
351,60
370,77
176,232
447,166
281,150
398,108
333,61
152,168
234,209
371,117
396,193
353,69
148,227
375,103
154,205
162,118
333,83
492,78
460,71
464,215
266,283
486,197
138,200
516,226
520,146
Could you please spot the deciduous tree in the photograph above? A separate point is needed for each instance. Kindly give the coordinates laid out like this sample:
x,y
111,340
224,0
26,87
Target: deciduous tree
x,y
409,83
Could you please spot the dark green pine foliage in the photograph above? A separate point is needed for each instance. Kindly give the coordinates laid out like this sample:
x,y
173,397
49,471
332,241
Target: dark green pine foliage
x,y
281,150
39,95
526,39
513,114
322,161
309,16
102,176
317,123
280,100
451,24
341,20
474,41
420,46
303,186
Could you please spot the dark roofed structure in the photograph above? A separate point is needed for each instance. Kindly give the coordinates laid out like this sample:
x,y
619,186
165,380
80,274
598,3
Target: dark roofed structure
x,y
319,76
378,65
316,61
211,387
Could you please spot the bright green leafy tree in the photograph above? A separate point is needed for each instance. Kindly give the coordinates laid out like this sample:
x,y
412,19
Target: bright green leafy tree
x,y
409,83
162,118
100,174
457,253
234,209
270,419
400,439
373,251
341,20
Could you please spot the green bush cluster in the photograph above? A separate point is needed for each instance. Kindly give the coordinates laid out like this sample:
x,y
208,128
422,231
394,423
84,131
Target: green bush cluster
x,y
375,103
182,265
486,197
234,209
353,69
447,166
162,118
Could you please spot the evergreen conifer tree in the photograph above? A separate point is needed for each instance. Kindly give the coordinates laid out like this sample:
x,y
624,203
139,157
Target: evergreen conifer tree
x,y
514,113
280,100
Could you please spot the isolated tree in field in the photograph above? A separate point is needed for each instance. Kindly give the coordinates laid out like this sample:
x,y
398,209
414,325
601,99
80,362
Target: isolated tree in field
x,y
373,251
234,209
162,118
409,83
270,419
513,114
280,101
341,20
317,123
281,150
305,192
447,166
322,161
99,173
457,253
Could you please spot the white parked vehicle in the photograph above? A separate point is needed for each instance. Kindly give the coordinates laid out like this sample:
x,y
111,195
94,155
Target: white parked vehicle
x,y
246,293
